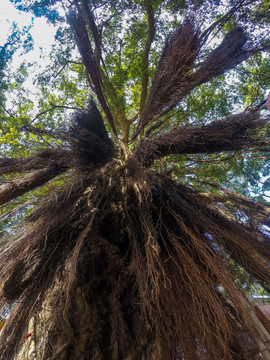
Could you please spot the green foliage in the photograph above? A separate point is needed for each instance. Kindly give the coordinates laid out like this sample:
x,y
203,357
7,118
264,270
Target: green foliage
x,y
245,281
63,87
18,39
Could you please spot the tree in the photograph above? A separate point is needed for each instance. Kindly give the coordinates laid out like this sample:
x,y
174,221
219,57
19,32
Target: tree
x,y
133,247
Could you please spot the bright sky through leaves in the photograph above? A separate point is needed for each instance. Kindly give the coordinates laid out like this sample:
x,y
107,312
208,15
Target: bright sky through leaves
x,y
42,33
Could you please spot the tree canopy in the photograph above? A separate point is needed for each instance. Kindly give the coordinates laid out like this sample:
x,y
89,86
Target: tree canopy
x,y
134,181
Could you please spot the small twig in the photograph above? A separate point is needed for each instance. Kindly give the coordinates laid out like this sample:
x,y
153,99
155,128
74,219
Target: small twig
x,y
110,18
74,62
223,19
101,5
53,108
59,72
42,132
7,111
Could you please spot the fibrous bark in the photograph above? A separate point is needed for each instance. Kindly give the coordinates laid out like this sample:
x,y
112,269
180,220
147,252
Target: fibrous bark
x,y
233,133
139,278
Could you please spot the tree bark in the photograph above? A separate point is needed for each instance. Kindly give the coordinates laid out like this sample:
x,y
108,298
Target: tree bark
x,y
27,183
231,134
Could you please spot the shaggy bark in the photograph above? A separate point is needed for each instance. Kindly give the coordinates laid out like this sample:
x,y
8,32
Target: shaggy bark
x,y
145,58
130,259
12,190
88,58
42,159
177,72
231,134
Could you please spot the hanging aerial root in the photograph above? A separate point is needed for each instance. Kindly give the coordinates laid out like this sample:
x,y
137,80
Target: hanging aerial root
x,y
125,271
179,72
175,247
42,159
176,61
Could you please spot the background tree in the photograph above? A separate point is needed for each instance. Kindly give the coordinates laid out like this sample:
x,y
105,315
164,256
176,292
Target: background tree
x,y
136,235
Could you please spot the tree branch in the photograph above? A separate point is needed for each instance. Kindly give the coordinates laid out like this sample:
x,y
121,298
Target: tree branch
x,y
175,63
178,74
145,58
119,112
94,30
40,132
106,84
254,209
101,5
56,157
78,25
29,182
221,21
60,70
55,107
8,111
229,134
60,350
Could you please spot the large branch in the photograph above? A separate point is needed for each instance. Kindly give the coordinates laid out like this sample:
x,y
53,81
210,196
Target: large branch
x,y
27,183
79,28
106,84
41,160
7,214
88,14
176,61
230,134
178,74
119,111
255,210
145,58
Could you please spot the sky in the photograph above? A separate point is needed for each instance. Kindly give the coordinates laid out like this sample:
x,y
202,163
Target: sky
x,y
42,32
